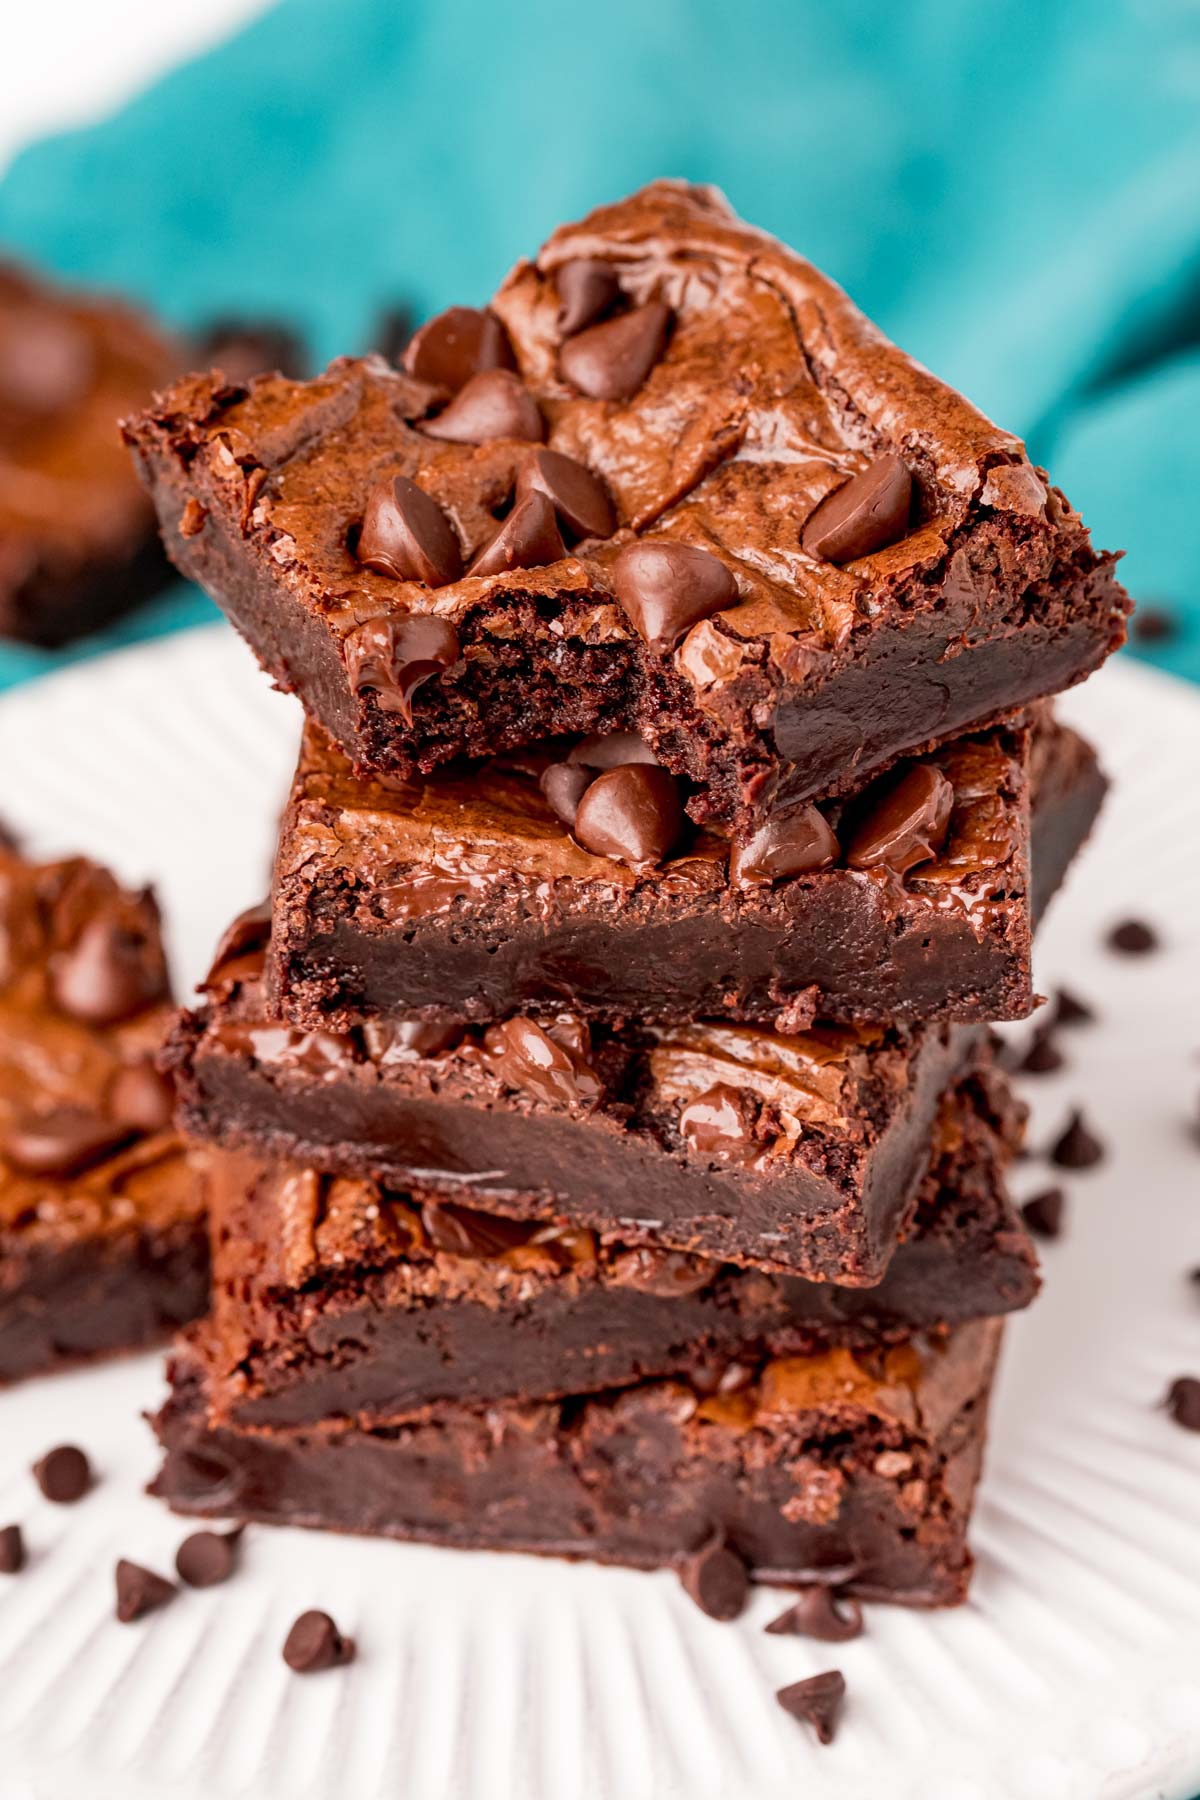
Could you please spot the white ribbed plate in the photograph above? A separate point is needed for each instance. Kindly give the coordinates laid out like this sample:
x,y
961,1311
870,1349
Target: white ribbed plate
x,y
1074,1672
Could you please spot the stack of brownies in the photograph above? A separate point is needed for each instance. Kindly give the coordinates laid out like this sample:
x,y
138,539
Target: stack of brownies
x,y
603,1146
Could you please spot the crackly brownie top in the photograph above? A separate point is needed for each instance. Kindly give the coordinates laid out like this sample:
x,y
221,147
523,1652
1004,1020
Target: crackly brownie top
x,y
85,1119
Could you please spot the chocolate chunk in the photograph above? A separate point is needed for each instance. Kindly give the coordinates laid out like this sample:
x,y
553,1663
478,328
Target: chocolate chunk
x,y
315,1643
1043,1056
863,515
632,814
1133,937
12,1550
495,404
816,1701
459,343
64,1474
720,1122
820,1612
47,362
611,361
62,1142
1044,1213
574,492
564,785
1077,1148
667,1273
142,1098
1154,625
528,539
716,1578
459,1231
207,1557
907,826
666,588
791,842
406,534
404,1038
1069,1009
552,1068
394,656
586,288
140,1591
611,750
112,970
1183,1402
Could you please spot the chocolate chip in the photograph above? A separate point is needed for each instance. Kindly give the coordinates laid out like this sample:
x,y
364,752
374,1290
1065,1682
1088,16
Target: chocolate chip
x,y
315,1643
574,492
1077,1148
717,1580
140,1591
207,1557
459,343
669,1274
528,539
47,362
1154,625
907,826
405,1038
552,1068
586,288
632,814
1070,1010
495,404
820,1612
244,348
611,750
405,534
64,1474
666,588
719,1122
1133,937
249,933
459,1231
392,333
1183,1402
394,656
1043,1056
865,514
816,1701
12,1550
142,1098
564,785
61,1142
113,969
611,361
1044,1213
791,842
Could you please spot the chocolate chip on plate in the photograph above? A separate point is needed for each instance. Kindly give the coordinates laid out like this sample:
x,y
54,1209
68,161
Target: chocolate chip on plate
x,y
140,1591
528,539
586,288
665,588
140,1097
64,1474
865,514
576,495
494,404
820,1612
564,785
633,814
314,1643
611,361
207,1557
395,656
458,343
1044,1213
1043,1056
112,970
907,825
405,534
816,1701
1077,1147
61,1142
1069,1009
717,1579
1133,937
1183,1402
12,1550
792,842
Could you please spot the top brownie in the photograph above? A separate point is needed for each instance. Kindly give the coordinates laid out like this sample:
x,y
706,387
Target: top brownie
x,y
672,481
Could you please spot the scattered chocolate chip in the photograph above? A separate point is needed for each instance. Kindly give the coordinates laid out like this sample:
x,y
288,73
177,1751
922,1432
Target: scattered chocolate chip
x,y
528,539
112,970
1043,1056
1183,1402
586,288
669,1274
865,514
907,826
719,1122
394,656
207,1557
564,785
1154,625
459,343
611,750
142,1098
1133,937
816,1701
1077,1148
553,1068
574,492
791,842
315,1643
717,1580
12,1550
820,1612
405,534
666,588
459,1231
140,1591
64,1474
1069,1009
61,1142
494,404
1044,1213
611,361
633,814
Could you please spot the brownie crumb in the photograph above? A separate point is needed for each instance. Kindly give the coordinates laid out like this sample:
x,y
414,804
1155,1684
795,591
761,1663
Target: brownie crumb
x,y
716,1578
1133,937
64,1474
315,1643
1044,1213
820,1612
12,1550
1077,1148
140,1591
1183,1402
816,1701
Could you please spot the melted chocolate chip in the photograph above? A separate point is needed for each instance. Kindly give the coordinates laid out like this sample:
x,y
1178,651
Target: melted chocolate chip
x,y
141,1098
794,842
666,588
207,1557
717,1580
574,492
405,534
586,288
907,826
458,343
140,1591
667,1273
315,1643
611,361
816,1701
402,1038
820,1612
494,404
863,515
459,1231
394,656
1183,1402
1077,1148
1045,1212
719,1122
64,1474
112,970
12,1550
1069,1009
611,750
61,1142
633,814
1133,937
1043,1056
523,1055
564,785
528,539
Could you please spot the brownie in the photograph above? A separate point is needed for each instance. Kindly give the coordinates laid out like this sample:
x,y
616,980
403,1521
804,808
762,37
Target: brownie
x,y
103,1244
464,894
341,1298
1068,786
78,538
716,507
855,1468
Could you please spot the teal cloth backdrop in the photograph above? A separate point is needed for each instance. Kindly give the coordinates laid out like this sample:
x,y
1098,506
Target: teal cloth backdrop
x,y
1012,191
